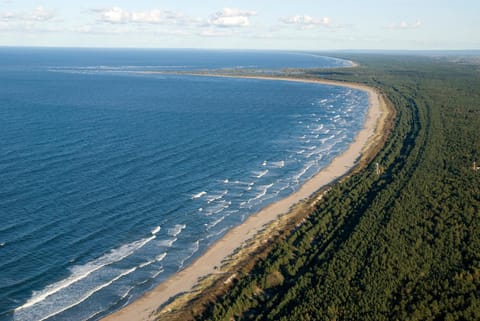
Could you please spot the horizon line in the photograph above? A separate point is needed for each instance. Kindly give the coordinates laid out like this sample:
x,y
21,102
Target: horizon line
x,y
364,50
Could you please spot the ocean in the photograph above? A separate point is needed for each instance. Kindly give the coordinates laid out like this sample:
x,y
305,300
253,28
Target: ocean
x,y
112,180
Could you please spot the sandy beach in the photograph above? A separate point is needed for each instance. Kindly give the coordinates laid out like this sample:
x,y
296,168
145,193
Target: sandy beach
x,y
184,281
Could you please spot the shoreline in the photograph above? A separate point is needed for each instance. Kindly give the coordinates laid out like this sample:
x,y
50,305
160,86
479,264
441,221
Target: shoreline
x,y
185,281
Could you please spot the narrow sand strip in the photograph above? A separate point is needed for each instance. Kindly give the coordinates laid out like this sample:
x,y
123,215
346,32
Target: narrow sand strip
x,y
185,280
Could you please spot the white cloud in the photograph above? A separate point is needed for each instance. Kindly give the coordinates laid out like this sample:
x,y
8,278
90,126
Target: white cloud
x,y
406,25
235,12
42,14
306,21
227,18
231,17
117,15
38,14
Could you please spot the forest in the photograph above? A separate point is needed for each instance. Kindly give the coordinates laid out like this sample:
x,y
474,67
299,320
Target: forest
x,y
399,244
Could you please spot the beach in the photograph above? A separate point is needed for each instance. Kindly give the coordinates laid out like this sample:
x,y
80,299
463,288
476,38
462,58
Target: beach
x,y
184,281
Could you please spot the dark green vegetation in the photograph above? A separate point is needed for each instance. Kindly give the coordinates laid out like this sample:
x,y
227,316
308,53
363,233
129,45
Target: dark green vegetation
x,y
403,245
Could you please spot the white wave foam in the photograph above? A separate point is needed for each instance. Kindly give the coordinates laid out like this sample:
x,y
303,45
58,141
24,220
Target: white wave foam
x,y
241,183
90,293
310,154
264,163
281,189
154,275
156,230
214,198
195,247
324,140
177,229
260,174
167,243
144,264
279,164
80,272
160,257
198,195
303,171
215,223
218,208
264,191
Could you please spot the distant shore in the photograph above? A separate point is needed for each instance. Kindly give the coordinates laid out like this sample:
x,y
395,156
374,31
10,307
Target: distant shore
x,y
208,264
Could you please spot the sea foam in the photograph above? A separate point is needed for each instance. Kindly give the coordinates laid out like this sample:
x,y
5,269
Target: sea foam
x,y
156,230
198,195
177,229
80,272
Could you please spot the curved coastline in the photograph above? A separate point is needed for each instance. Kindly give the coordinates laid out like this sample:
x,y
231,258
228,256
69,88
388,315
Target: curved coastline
x,y
185,281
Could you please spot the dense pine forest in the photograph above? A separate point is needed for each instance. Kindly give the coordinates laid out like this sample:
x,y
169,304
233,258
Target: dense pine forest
x,y
401,243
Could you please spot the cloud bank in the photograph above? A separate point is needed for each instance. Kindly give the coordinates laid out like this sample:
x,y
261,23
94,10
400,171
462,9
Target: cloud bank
x,y
38,14
231,17
117,15
306,21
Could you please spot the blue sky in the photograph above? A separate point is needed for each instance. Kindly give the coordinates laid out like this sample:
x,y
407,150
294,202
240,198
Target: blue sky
x,y
260,24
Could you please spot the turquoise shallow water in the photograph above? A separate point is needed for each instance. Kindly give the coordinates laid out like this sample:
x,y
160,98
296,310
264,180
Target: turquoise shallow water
x,y
111,181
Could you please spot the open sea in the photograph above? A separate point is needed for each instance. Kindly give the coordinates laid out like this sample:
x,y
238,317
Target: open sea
x,y
112,180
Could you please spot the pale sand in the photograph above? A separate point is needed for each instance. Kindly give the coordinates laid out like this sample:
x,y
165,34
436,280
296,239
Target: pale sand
x,y
184,281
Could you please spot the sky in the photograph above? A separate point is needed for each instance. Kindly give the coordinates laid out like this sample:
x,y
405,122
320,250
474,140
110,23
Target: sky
x,y
247,24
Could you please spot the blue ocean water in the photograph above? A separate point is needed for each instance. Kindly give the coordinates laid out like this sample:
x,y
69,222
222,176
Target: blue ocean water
x,y
111,180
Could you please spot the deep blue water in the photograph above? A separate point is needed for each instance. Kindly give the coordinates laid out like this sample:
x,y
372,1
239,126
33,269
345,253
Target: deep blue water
x,y
111,181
